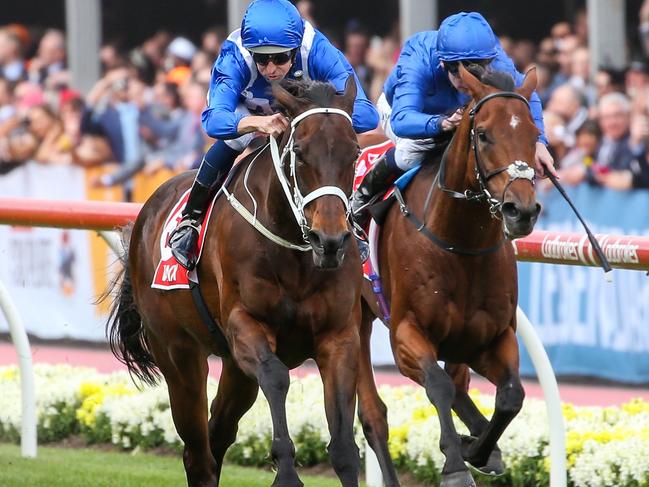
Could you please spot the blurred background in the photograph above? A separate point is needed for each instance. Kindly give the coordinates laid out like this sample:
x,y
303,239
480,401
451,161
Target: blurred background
x,y
102,100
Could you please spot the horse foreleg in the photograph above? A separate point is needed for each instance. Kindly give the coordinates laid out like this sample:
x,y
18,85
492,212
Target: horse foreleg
x,y
417,358
371,409
236,395
253,350
471,416
337,359
499,364
188,399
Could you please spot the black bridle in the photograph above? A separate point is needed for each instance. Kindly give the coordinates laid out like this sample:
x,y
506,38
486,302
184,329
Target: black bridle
x,y
516,170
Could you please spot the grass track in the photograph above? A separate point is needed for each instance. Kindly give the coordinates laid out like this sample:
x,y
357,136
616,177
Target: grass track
x,y
76,467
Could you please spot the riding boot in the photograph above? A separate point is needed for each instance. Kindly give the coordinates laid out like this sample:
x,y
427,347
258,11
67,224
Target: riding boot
x,y
184,238
212,173
376,182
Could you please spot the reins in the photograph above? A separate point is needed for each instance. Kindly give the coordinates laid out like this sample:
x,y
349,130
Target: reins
x,y
295,199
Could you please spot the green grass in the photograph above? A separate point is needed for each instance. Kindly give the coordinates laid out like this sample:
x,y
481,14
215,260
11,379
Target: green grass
x,y
75,467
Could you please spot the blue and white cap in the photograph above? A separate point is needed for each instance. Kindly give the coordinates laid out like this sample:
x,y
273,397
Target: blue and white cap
x,y
271,26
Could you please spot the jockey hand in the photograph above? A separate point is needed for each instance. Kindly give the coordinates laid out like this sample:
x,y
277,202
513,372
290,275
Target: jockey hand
x,y
450,123
267,124
543,159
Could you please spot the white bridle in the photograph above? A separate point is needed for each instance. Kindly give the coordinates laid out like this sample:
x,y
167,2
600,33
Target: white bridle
x,y
295,199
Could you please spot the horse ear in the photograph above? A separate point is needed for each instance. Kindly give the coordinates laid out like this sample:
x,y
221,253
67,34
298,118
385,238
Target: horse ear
x,y
476,88
347,99
529,83
288,101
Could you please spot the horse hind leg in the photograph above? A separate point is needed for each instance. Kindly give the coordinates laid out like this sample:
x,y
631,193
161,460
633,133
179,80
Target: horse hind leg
x,y
236,395
188,399
417,358
372,411
474,420
499,365
253,354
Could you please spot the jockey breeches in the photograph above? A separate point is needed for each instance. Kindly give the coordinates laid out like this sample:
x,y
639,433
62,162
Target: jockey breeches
x,y
409,152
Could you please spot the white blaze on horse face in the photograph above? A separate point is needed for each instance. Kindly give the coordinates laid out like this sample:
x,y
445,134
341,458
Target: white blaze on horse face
x,y
514,121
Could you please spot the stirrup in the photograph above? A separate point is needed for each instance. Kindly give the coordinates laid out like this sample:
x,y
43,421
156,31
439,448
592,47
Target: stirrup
x,y
184,223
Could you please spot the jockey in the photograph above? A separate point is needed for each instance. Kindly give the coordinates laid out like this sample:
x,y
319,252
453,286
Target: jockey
x,y
274,43
423,98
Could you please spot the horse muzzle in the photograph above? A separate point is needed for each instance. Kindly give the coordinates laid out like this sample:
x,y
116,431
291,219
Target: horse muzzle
x,y
328,250
519,220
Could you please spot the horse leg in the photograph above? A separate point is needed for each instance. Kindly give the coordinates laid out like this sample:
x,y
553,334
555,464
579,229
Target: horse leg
x,y
417,358
372,411
471,416
499,365
185,368
253,350
236,395
337,358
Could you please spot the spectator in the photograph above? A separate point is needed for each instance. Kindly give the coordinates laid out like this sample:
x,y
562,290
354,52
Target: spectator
x,y
54,147
212,40
12,65
555,131
580,75
568,102
357,43
50,57
573,166
636,175
7,109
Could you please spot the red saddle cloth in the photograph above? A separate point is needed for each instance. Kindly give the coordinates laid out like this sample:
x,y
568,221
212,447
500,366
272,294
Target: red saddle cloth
x,y
170,274
364,163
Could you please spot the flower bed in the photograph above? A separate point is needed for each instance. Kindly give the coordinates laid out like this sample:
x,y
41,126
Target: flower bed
x,y
606,446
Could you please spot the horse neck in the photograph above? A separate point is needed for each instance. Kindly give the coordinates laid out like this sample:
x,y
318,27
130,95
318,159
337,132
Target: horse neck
x,y
458,221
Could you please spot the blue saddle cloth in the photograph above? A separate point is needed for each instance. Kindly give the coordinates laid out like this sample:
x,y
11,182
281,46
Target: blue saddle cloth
x,y
404,180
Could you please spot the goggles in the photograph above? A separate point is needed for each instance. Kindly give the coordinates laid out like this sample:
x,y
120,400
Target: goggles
x,y
453,67
277,58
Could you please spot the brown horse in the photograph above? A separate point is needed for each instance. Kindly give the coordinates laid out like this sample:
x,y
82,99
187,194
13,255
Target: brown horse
x,y
276,304
451,281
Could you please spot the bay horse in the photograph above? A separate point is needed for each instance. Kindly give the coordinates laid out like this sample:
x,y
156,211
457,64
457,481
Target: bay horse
x,y
450,277
277,302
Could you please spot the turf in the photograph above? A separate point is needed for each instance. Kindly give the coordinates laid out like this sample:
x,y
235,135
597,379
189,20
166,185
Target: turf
x,y
78,467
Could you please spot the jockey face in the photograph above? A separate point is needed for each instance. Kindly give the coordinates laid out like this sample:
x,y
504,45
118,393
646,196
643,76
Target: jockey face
x,y
274,67
454,75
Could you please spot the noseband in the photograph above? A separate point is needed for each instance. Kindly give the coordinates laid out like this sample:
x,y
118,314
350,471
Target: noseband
x,y
295,199
516,170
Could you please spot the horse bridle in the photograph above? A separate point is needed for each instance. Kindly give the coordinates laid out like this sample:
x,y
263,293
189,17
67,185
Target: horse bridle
x,y
515,170
295,199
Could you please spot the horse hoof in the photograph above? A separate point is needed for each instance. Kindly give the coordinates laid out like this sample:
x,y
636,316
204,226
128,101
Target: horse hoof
x,y
458,479
494,466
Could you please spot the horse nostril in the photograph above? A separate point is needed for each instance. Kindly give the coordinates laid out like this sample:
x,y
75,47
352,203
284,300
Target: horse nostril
x,y
538,209
314,239
510,211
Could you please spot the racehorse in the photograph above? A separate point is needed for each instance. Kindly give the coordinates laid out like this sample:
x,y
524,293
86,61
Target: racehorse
x,y
450,277
283,288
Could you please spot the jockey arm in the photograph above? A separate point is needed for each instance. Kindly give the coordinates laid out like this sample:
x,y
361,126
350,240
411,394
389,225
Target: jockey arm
x,y
229,78
326,63
412,77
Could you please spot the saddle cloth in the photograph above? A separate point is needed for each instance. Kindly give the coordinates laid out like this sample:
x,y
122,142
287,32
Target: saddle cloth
x,y
169,274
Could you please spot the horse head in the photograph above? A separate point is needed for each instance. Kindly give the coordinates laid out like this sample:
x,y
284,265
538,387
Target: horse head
x,y
503,140
322,148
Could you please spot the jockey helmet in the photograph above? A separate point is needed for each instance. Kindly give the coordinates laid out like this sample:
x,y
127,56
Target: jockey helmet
x,y
271,26
465,36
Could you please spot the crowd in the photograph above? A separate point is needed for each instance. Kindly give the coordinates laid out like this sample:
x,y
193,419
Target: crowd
x,y
144,113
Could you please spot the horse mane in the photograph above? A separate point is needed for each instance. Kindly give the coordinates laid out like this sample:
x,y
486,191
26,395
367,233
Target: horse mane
x,y
498,79
310,92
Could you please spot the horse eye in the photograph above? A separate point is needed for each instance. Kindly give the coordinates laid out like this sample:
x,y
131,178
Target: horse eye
x,y
482,136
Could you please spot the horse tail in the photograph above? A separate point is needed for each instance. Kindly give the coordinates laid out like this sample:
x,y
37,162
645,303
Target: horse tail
x,y
124,328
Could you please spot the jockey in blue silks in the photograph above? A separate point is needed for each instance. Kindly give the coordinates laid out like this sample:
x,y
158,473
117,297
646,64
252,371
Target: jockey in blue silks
x,y
423,98
274,43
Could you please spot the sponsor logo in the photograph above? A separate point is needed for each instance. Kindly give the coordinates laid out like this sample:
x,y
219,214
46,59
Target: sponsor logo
x,y
625,253
554,248
169,272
